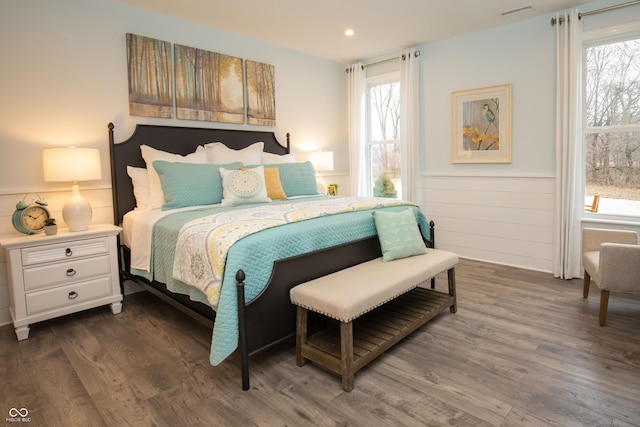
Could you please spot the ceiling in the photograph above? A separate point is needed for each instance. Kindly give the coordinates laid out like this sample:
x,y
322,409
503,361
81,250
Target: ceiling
x,y
381,26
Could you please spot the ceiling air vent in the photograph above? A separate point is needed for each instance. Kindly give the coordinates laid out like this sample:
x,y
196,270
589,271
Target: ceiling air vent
x,y
514,11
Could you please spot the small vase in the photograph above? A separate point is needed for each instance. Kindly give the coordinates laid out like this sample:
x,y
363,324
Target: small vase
x,y
50,230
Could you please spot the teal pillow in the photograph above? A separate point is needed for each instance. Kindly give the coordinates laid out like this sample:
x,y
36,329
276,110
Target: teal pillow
x,y
190,184
399,234
298,179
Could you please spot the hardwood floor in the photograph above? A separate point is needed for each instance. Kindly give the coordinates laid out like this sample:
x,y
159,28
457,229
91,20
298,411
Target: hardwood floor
x,y
524,349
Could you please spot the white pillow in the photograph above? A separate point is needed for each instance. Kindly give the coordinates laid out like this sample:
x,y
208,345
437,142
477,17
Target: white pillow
x,y
150,155
242,186
220,154
268,158
140,182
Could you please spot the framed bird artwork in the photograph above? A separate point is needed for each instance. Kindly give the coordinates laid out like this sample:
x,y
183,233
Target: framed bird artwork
x,y
481,125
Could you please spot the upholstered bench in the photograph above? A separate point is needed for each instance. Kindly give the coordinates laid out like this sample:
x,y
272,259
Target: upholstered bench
x,y
386,301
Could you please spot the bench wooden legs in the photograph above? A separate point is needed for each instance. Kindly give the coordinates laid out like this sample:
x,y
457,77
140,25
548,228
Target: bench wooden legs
x,y
301,334
346,353
346,347
417,307
451,275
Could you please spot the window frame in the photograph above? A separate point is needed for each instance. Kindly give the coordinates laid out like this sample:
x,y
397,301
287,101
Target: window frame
x,y
592,39
380,79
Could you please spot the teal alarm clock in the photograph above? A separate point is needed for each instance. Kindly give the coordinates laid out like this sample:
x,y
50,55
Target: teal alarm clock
x,y
29,218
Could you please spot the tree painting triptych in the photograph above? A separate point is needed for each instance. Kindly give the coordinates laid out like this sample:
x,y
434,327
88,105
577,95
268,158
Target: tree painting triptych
x,y
209,86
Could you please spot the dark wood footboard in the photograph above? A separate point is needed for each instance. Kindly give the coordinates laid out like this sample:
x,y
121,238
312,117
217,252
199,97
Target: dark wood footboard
x,y
259,328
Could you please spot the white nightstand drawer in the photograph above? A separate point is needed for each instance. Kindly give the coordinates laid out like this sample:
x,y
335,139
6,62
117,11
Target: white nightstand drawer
x,y
65,272
61,251
64,296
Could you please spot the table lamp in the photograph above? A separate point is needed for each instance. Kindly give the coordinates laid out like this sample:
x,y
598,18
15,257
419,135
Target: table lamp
x,y
322,161
73,164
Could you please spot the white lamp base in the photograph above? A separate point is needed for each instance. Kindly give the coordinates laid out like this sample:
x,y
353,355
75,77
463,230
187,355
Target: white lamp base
x,y
77,211
322,186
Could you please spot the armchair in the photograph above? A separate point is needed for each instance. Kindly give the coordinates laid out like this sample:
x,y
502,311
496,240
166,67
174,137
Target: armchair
x,y
612,259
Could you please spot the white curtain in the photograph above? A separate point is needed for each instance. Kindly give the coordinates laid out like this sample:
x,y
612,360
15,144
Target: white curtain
x,y
409,122
569,159
356,100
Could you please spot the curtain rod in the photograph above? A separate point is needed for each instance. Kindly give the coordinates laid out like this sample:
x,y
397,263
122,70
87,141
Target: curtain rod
x,y
384,61
593,12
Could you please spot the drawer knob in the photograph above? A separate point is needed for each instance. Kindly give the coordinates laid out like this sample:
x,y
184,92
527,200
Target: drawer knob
x,y
71,272
73,295
68,252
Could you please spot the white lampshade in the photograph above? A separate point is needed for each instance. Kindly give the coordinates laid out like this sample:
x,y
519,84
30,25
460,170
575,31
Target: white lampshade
x,y
73,164
322,160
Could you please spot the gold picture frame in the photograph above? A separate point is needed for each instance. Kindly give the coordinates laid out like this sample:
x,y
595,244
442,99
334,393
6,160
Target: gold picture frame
x,y
481,125
332,190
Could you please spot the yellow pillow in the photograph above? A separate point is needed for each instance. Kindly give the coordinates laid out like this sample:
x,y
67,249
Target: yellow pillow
x,y
274,186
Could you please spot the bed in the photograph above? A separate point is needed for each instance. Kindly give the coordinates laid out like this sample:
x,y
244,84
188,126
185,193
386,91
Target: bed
x,y
263,316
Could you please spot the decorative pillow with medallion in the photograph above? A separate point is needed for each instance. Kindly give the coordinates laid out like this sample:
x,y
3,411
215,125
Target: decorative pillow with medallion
x,y
243,186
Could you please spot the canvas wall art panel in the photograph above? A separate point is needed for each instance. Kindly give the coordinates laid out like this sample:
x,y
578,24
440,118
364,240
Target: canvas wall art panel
x,y
261,94
150,77
209,86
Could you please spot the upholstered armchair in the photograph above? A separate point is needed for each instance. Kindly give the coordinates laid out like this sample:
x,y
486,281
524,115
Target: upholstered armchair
x,y
611,258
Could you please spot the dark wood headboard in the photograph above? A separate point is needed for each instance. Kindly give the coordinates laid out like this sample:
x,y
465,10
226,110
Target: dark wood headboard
x,y
174,139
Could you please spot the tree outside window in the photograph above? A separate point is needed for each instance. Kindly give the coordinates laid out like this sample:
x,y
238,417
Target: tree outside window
x,y
612,133
384,139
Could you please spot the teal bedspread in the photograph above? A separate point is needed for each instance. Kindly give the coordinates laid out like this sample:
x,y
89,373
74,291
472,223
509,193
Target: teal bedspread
x,y
255,255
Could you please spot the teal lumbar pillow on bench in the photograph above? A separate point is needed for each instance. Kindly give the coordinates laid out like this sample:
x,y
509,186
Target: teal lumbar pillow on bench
x,y
399,234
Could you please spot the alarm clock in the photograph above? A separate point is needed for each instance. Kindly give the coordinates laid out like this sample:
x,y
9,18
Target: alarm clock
x,y
29,218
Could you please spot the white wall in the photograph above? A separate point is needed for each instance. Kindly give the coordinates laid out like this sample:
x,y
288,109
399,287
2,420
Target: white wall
x,y
64,77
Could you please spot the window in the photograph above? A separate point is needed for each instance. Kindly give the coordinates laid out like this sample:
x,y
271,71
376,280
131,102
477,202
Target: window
x,y
612,125
383,138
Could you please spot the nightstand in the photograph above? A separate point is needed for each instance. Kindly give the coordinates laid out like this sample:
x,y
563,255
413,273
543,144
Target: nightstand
x,y
50,276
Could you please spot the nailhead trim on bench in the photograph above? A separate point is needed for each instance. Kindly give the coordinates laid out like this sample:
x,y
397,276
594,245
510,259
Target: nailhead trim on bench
x,y
368,310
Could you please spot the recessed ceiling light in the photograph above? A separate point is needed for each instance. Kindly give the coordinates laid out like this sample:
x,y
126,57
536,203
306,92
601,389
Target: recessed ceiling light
x,y
518,10
349,32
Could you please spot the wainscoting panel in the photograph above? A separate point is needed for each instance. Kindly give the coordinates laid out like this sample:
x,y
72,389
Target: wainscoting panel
x,y
504,220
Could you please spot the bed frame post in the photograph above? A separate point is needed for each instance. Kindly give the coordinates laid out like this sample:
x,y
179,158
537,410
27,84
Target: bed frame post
x,y
432,230
113,174
242,331
114,200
